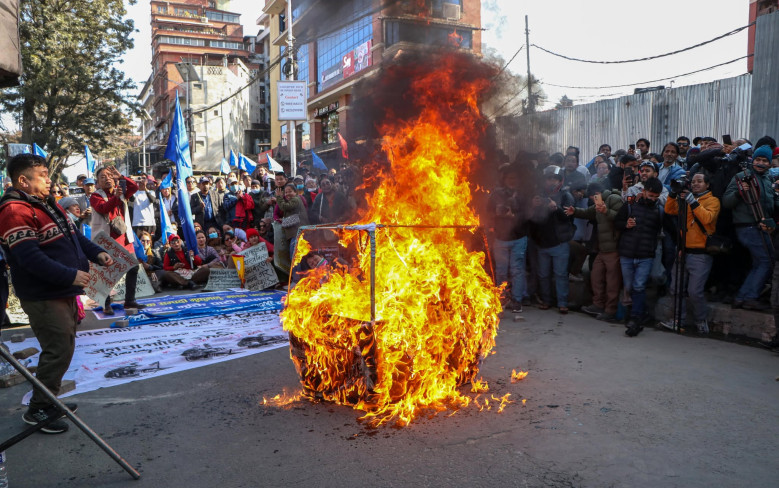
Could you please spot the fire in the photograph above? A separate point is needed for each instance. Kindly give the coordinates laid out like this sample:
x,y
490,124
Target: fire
x,y
518,376
436,308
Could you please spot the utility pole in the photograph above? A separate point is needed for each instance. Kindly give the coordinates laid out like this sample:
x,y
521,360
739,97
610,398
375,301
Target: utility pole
x,y
292,135
531,101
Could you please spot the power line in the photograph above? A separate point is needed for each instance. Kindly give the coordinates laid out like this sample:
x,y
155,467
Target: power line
x,y
650,81
569,58
509,61
496,112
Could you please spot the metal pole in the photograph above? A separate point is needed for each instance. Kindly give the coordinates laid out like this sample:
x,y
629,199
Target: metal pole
x,y
143,141
531,104
189,124
62,408
292,136
372,234
222,117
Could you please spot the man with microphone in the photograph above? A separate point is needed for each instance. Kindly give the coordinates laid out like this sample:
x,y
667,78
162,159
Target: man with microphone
x,y
49,261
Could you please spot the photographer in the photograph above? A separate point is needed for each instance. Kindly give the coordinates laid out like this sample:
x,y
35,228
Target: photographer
x,y
751,196
702,211
507,209
640,224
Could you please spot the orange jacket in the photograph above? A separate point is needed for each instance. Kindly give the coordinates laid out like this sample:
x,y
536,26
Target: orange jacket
x,y
706,209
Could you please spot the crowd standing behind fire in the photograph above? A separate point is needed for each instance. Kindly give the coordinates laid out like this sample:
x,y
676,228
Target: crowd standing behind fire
x,y
626,213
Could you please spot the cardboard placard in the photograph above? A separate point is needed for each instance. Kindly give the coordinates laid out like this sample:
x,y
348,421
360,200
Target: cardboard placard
x,y
222,279
102,279
259,273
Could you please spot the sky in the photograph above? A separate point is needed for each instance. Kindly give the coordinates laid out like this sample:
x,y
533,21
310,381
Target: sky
x,y
601,30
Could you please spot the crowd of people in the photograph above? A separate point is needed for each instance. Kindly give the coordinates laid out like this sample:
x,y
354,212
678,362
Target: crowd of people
x,y
634,216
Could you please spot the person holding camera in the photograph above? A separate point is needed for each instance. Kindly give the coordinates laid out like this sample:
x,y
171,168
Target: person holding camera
x,y
112,216
639,221
702,212
507,208
753,199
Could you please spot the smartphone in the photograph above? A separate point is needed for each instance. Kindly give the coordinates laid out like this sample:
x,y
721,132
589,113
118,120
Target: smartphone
x,y
123,185
727,140
632,147
629,172
597,199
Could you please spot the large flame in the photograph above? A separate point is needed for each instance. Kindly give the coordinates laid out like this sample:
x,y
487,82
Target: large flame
x,y
436,306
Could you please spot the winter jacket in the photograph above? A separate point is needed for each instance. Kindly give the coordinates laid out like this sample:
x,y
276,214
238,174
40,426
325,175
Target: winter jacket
x,y
172,258
608,236
323,211
640,241
43,247
217,201
706,209
742,213
291,207
674,172
513,222
239,207
551,228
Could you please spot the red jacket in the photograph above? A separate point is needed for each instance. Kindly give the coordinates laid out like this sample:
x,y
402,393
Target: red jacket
x,y
111,208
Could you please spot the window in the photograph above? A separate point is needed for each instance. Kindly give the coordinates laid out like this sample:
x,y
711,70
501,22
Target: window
x,y
216,113
223,17
226,44
438,5
162,9
184,41
396,31
330,126
332,48
186,12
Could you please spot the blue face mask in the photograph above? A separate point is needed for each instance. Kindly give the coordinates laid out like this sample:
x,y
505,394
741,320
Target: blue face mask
x,y
299,187
233,188
213,235
773,172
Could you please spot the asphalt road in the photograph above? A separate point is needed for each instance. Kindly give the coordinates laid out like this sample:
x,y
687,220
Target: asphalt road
x,y
602,410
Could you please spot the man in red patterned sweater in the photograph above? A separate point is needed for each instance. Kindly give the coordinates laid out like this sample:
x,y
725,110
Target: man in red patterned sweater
x,y
49,260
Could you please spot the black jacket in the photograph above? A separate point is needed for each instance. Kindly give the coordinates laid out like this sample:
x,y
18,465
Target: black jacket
x,y
552,228
640,241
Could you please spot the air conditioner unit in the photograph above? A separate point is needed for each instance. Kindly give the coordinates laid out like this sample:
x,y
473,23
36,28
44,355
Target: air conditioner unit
x,y
451,11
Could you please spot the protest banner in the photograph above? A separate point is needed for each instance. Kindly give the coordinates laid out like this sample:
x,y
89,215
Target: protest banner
x,y
259,272
239,267
143,286
222,279
102,279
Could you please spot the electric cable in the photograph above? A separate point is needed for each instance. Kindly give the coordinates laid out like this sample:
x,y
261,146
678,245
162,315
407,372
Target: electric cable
x,y
569,58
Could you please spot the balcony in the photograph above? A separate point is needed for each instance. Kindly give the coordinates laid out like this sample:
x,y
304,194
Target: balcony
x,y
275,7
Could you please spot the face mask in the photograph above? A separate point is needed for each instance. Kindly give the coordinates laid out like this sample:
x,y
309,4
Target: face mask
x,y
255,191
233,188
299,187
213,235
773,172
241,187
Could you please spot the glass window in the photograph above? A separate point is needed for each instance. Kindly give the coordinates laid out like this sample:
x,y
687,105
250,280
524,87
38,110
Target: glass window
x,y
226,44
397,31
223,17
438,5
184,41
332,48
330,126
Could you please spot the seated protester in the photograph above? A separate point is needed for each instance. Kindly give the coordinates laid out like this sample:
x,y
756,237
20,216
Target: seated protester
x,y
254,238
237,232
152,266
265,229
703,209
751,233
639,224
232,243
646,170
208,254
185,263
606,273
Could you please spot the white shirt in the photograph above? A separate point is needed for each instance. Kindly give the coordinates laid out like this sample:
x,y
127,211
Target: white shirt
x,y
143,210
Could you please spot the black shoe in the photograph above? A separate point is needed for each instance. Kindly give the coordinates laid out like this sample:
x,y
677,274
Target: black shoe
x,y
516,307
736,303
134,304
634,328
755,305
107,310
191,285
593,310
38,415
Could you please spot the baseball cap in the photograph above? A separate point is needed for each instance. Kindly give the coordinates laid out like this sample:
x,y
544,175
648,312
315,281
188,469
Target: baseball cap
x,y
67,202
89,181
173,237
232,180
204,179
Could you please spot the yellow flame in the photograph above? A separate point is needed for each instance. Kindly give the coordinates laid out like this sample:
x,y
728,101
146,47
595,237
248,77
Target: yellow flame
x,y
518,376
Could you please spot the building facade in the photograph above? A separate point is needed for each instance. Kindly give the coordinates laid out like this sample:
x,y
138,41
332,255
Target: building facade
x,y
340,43
199,53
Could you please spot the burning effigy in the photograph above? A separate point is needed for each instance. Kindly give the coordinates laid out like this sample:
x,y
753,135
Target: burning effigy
x,y
399,326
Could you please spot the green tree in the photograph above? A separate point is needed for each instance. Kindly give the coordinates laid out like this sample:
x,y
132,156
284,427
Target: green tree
x,y
71,92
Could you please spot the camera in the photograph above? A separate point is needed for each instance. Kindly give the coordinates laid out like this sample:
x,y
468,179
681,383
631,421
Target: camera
x,y
680,184
738,155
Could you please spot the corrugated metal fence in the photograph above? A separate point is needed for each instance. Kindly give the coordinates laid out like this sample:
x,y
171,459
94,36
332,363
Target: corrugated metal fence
x,y
710,109
765,81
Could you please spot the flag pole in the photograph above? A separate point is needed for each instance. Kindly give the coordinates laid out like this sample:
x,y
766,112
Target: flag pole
x,y
292,137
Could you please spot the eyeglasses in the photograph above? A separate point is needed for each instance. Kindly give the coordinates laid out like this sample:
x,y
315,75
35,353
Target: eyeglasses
x,y
146,240
228,238
683,144
56,193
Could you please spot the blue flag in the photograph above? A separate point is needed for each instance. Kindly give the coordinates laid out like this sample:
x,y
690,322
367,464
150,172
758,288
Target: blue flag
x,y
225,168
246,164
274,165
318,163
167,182
90,160
38,151
164,223
233,160
138,247
178,152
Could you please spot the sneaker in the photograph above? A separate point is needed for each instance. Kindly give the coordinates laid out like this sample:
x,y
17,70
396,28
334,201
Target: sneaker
x,y
606,317
516,307
38,415
593,310
703,328
575,278
634,328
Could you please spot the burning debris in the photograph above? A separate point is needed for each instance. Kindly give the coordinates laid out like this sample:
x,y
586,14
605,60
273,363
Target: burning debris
x,y
407,312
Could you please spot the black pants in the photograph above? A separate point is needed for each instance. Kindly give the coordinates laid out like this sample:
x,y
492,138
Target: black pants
x,y
3,294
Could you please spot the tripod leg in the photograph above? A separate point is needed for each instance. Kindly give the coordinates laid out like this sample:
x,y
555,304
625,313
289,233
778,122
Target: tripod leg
x,y
63,409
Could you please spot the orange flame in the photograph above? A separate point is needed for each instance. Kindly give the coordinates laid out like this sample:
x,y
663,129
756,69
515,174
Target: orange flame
x,y
436,306
518,376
